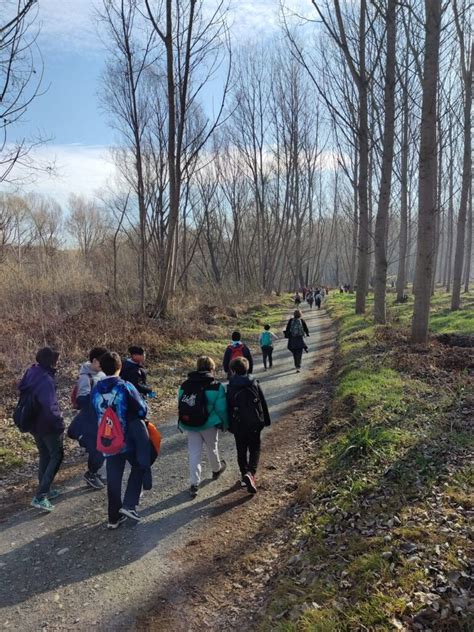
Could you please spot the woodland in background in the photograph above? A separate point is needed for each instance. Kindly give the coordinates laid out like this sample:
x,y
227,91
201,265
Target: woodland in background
x,y
340,154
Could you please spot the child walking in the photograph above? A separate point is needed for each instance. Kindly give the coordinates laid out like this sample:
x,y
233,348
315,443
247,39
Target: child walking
x,y
266,344
248,415
134,372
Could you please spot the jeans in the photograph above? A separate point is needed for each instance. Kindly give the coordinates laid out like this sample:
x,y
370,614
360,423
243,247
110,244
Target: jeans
x,y
115,469
95,461
297,355
248,451
267,355
210,437
51,454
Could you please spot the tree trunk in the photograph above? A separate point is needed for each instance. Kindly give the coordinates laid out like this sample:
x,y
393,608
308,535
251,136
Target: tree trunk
x,y
427,175
467,267
381,223
466,181
402,253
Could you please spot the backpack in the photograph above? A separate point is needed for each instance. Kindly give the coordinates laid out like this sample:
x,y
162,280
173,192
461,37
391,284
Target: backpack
x,y
266,339
110,435
75,391
26,411
192,405
236,352
296,327
247,410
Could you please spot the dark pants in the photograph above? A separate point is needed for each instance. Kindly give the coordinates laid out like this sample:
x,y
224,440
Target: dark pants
x,y
51,453
267,352
115,469
248,451
297,355
95,461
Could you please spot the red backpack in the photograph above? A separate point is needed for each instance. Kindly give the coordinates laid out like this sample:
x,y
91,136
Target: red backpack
x,y
110,435
236,352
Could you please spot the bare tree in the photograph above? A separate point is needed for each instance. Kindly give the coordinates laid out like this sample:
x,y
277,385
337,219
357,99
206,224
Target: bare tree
x,y
427,175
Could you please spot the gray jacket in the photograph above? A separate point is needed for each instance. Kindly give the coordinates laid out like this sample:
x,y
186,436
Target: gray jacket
x,y
88,378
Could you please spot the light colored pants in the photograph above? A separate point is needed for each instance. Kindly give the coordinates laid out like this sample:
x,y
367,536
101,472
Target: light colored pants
x,y
196,438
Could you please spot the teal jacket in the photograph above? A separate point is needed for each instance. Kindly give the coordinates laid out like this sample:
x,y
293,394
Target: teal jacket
x,y
216,402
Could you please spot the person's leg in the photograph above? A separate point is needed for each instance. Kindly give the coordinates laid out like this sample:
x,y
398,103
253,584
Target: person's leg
x,y
95,461
194,451
43,453
297,354
115,468
211,439
270,356
241,445
134,488
53,444
254,451
264,356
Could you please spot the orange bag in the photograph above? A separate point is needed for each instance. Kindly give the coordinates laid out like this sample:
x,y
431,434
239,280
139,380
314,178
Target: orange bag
x,y
155,436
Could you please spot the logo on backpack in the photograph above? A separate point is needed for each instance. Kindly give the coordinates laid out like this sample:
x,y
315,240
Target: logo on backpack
x,y
110,435
192,405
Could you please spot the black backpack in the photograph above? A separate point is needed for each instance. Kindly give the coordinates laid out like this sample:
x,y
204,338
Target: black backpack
x,y
192,405
247,410
26,411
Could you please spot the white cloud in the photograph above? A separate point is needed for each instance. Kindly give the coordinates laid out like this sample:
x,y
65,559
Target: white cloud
x,y
83,169
69,24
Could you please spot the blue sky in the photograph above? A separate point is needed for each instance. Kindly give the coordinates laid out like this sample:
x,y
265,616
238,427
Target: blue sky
x,y
69,112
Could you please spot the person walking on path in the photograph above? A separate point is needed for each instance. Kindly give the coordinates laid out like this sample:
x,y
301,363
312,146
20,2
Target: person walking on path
x,y
297,299
48,424
248,414
310,298
318,299
134,372
129,407
266,344
236,349
202,411
295,331
83,427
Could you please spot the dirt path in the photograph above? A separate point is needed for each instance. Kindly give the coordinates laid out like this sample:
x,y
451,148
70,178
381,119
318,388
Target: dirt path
x,y
66,571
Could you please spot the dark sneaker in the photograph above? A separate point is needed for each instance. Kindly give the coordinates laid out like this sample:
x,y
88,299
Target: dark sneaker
x,y
242,482
130,513
93,480
116,525
215,475
54,493
42,503
249,480
193,491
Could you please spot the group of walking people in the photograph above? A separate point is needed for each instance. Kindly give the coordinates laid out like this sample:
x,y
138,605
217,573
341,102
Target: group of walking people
x,y
312,297
110,397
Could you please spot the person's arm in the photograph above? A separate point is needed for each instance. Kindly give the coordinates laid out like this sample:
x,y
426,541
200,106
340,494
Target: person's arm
x,y
260,340
273,336
248,355
305,327
266,413
48,401
220,406
225,361
83,385
138,406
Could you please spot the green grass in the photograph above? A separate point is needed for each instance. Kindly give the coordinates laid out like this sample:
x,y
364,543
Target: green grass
x,y
387,442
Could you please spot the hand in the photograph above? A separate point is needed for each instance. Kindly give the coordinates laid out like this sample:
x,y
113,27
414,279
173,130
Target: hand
x,y
152,395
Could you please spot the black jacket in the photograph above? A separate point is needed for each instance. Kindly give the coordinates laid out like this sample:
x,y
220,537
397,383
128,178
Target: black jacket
x,y
237,383
136,374
295,343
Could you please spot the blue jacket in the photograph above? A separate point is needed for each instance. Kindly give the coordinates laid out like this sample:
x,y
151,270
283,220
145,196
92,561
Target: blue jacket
x,y
40,381
127,402
144,454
